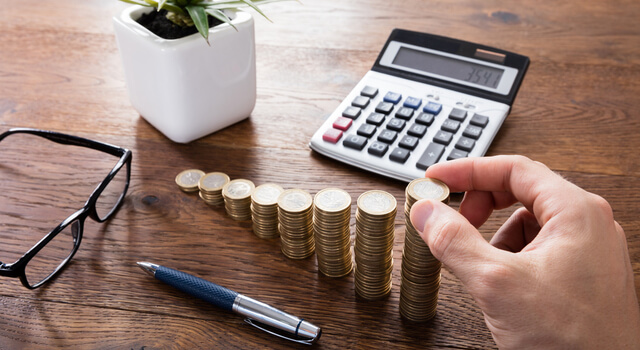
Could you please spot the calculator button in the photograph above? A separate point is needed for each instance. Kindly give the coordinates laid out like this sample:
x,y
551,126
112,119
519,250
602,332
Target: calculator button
x,y
360,101
384,108
417,130
457,154
430,156
425,118
443,137
332,135
342,123
366,130
404,113
399,155
375,119
433,108
479,120
392,97
396,124
369,91
465,144
355,142
458,114
378,149
408,142
387,136
472,131
412,102
450,125
351,112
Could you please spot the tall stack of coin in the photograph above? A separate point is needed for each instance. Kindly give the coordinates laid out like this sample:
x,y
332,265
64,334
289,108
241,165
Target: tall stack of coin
x,y
331,216
188,180
295,216
237,198
210,186
373,249
420,270
264,210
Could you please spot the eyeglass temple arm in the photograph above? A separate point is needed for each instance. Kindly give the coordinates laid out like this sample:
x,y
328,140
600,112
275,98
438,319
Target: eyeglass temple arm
x,y
67,140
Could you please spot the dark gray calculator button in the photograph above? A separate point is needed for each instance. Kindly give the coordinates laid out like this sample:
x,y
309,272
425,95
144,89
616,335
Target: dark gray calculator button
x,y
450,125
366,130
465,144
360,101
351,112
425,118
479,120
430,156
387,136
457,154
375,119
404,113
378,149
443,137
408,142
369,91
399,155
458,114
384,107
396,124
417,130
355,142
472,131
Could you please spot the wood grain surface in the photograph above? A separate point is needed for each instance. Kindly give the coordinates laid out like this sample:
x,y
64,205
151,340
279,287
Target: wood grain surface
x,y
60,69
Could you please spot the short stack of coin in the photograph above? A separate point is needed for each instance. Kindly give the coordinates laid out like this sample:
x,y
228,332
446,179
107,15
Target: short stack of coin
x,y
188,180
211,185
373,249
331,216
420,270
295,216
237,198
264,210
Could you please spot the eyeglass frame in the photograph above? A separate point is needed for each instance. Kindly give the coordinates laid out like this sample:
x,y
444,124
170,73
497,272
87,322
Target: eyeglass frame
x,y
18,268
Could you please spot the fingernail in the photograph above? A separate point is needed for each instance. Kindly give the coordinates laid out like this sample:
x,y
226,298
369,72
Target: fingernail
x,y
420,213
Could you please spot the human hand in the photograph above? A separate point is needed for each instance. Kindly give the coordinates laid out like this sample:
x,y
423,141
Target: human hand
x,y
557,274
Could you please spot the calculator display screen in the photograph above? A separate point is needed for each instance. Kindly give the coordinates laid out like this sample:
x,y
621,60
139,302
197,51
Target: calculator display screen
x,y
450,67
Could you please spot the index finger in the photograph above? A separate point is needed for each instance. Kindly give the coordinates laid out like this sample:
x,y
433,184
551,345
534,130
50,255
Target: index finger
x,y
510,179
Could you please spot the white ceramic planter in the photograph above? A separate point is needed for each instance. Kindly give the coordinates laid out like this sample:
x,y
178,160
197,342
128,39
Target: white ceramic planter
x,y
183,87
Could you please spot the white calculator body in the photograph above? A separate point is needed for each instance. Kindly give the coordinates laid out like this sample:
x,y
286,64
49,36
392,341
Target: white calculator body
x,y
427,99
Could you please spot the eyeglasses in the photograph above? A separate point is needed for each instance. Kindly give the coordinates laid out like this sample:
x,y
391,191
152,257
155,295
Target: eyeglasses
x,y
53,252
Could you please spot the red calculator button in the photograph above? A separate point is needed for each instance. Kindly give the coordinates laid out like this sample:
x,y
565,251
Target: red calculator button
x,y
332,135
342,123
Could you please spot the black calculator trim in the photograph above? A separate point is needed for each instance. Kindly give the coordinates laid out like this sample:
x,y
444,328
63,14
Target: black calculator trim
x,y
460,48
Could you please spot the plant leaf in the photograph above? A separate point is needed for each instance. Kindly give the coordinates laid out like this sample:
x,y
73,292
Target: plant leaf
x,y
160,4
200,19
221,16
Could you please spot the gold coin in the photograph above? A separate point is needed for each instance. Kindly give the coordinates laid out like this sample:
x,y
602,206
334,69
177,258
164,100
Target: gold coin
x,y
427,188
377,203
295,200
212,182
238,189
187,180
332,200
267,194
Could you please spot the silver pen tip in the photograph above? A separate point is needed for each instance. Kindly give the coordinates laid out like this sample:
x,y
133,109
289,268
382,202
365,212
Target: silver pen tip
x,y
148,267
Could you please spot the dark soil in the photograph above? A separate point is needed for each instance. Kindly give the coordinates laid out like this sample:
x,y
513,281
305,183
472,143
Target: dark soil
x,y
157,23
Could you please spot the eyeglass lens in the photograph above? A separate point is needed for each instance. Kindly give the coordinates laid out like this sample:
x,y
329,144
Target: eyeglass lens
x,y
112,194
53,255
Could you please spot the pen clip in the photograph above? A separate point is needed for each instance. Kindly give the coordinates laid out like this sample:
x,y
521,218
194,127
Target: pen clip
x,y
274,332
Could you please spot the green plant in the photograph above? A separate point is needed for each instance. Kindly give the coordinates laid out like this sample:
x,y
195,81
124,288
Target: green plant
x,y
196,12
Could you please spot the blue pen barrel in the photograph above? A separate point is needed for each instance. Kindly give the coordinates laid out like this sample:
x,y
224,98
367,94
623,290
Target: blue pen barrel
x,y
203,289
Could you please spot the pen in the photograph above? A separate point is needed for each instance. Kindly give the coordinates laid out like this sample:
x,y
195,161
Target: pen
x,y
258,314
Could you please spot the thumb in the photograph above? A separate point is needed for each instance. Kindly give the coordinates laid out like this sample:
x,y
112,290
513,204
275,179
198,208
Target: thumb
x,y
451,238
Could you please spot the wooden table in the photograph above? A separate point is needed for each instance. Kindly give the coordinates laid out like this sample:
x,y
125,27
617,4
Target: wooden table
x,y
60,69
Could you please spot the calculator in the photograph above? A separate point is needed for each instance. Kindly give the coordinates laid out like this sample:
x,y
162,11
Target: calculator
x,y
427,99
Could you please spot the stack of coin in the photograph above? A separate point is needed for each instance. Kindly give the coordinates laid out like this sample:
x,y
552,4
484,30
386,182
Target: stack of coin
x,y
210,186
295,216
420,270
373,249
188,180
331,216
264,210
237,198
